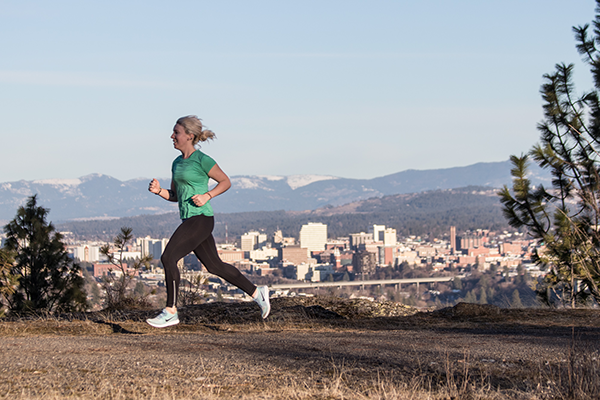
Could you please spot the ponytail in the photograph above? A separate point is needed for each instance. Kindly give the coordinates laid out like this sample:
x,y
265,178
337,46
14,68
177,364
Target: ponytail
x,y
193,126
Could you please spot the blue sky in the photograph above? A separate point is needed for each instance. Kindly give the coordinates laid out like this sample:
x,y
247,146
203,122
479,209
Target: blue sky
x,y
355,89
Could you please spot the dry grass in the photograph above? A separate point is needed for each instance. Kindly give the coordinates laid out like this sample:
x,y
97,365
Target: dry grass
x,y
117,356
338,382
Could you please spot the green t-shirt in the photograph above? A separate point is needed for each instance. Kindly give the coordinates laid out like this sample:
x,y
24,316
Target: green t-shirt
x,y
190,177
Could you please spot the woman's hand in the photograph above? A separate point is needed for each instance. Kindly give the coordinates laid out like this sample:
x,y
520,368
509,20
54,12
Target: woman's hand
x,y
154,186
201,199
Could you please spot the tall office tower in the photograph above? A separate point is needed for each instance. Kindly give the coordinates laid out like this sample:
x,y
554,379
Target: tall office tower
x,y
261,240
313,236
249,241
453,239
87,253
364,262
389,237
152,247
378,232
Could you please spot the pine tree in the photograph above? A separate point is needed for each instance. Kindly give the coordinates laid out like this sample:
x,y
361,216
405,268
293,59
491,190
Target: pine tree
x,y
483,296
470,297
566,217
491,293
516,300
48,280
457,284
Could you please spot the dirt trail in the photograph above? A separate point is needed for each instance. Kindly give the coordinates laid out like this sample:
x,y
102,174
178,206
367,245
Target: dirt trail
x,y
89,359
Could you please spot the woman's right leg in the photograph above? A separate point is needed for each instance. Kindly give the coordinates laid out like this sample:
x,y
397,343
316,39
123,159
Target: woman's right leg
x,y
184,240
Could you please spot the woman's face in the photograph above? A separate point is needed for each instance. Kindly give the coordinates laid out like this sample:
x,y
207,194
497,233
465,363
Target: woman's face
x,y
181,139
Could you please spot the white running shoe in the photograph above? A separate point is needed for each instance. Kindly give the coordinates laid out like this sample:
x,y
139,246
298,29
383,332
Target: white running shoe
x,y
164,319
262,299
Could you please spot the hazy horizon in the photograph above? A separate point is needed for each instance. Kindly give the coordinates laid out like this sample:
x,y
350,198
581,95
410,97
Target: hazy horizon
x,y
76,180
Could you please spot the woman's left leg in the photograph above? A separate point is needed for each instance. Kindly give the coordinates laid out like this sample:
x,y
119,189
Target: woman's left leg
x,y
207,254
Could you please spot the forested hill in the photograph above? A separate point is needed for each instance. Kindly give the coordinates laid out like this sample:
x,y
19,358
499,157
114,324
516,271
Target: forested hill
x,y
431,212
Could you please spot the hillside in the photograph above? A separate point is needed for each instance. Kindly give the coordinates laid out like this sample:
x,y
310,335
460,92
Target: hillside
x,y
431,212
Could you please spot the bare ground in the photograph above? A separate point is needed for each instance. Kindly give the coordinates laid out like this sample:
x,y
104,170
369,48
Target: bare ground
x,y
308,348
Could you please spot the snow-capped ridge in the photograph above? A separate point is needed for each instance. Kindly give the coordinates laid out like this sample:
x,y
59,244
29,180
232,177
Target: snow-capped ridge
x,y
293,181
89,177
298,181
243,182
271,177
58,182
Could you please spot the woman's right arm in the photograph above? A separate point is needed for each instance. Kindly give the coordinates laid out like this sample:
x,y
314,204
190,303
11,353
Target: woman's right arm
x,y
170,195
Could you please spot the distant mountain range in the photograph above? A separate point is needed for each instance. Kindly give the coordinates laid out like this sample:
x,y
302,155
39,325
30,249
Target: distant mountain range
x,y
99,196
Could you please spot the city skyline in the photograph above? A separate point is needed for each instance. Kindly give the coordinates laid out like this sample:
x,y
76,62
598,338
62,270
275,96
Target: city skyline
x,y
312,256
347,89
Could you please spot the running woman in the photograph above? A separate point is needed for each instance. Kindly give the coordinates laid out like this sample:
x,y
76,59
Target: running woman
x,y
189,188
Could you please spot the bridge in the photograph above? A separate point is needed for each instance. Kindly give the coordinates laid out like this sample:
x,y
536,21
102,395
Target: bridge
x,y
381,282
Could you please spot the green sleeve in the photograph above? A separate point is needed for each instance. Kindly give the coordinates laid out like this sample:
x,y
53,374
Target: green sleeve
x,y
206,163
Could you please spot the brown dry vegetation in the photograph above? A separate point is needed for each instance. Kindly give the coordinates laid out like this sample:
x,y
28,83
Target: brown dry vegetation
x,y
309,348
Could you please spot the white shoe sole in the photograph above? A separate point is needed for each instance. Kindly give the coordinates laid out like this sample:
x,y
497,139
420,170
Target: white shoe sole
x,y
169,323
268,302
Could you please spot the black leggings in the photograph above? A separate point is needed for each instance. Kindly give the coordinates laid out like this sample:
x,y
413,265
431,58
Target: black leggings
x,y
195,234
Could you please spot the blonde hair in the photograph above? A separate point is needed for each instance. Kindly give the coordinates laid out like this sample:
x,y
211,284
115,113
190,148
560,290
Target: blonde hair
x,y
193,126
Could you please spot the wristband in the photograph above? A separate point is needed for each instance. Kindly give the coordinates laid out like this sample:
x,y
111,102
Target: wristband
x,y
158,193
209,195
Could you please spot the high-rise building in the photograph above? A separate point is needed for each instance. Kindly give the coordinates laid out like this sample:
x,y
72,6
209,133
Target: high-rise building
x,y
364,262
249,241
261,240
389,237
313,236
152,247
87,253
378,232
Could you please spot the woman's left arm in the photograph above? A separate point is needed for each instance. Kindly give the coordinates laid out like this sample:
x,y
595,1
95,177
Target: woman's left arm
x,y
223,184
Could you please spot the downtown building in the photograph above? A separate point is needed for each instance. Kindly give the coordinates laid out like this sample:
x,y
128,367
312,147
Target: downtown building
x,y
313,236
152,247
